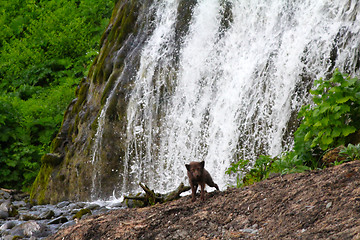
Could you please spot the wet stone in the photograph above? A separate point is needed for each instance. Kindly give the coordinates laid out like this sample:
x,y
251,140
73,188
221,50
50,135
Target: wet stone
x,y
73,206
4,214
62,204
47,215
28,216
5,206
93,206
4,195
19,219
19,204
29,229
58,220
67,224
118,205
7,225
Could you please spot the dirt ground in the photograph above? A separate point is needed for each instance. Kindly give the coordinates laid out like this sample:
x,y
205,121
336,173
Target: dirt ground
x,y
322,204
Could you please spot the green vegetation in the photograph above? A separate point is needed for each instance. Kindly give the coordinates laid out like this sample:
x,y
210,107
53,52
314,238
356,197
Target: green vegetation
x,y
81,213
351,152
46,47
326,124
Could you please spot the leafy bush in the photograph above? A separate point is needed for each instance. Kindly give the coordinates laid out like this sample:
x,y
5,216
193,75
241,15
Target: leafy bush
x,y
17,159
54,39
46,47
288,162
27,128
238,168
333,116
264,166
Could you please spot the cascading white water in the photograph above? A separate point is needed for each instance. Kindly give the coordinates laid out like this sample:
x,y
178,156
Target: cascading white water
x,y
233,88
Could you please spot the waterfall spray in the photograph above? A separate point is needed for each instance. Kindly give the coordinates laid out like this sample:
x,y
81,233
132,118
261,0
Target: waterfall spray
x,y
231,85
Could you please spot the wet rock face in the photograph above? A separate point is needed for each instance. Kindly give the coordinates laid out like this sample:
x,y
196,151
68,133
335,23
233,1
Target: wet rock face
x,y
72,171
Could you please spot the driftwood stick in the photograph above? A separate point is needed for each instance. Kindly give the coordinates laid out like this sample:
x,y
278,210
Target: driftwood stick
x,y
176,193
152,198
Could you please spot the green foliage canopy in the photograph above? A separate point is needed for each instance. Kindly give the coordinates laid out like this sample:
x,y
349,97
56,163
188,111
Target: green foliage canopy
x,y
46,47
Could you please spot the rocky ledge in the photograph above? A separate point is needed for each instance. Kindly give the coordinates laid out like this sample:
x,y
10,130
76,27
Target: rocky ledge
x,y
321,204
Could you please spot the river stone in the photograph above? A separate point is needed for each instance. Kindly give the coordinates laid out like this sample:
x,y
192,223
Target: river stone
x,y
93,206
117,205
73,206
62,204
8,237
5,206
7,225
81,213
58,220
47,215
101,210
19,204
28,216
4,214
4,195
30,228
67,224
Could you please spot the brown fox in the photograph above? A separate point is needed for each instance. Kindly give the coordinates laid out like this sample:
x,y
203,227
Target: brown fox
x,y
199,176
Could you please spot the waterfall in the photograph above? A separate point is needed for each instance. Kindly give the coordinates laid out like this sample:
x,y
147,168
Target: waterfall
x,y
229,86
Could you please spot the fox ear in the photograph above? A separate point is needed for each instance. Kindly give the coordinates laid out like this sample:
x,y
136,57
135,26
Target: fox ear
x,y
187,167
202,164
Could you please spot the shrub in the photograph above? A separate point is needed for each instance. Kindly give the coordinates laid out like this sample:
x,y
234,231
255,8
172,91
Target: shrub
x,y
46,47
330,119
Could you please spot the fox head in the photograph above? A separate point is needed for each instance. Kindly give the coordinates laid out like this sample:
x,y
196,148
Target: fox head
x,y
195,169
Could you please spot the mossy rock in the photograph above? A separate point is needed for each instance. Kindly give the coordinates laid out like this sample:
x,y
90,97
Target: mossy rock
x,y
17,237
81,96
13,212
39,187
110,84
51,159
123,23
81,213
134,203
